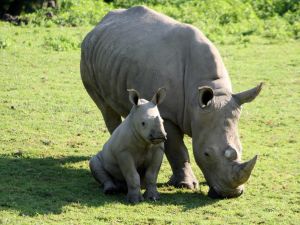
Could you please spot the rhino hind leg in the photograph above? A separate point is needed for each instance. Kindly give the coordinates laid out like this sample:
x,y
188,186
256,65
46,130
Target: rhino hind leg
x,y
102,176
121,186
178,157
111,118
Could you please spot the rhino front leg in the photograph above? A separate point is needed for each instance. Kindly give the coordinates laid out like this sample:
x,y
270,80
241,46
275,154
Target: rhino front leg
x,y
152,170
178,157
131,176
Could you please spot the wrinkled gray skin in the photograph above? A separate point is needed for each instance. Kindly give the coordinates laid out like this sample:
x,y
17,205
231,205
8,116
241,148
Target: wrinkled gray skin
x,y
143,49
134,152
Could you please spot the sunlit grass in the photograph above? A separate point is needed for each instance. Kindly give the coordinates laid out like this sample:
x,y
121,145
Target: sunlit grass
x,y
50,128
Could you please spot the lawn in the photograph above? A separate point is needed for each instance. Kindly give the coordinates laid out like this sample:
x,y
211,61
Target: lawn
x,y
50,128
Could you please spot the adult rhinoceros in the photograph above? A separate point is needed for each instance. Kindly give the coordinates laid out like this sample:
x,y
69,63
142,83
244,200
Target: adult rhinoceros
x,y
142,49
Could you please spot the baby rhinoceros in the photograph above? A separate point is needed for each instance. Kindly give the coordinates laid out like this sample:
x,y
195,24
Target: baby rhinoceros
x,y
134,152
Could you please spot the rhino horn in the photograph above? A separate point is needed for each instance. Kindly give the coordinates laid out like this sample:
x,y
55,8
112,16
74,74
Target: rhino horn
x,y
248,96
243,170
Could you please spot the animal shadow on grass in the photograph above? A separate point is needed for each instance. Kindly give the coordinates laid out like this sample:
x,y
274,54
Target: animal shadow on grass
x,y
35,186
187,199
44,185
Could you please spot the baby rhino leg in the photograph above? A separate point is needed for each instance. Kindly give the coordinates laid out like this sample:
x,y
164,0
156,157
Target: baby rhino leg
x,y
102,176
152,168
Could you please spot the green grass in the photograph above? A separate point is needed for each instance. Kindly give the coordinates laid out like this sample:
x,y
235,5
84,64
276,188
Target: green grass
x,y
218,19
50,128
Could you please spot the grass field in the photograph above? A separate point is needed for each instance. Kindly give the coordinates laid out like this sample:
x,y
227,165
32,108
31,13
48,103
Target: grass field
x,y
50,128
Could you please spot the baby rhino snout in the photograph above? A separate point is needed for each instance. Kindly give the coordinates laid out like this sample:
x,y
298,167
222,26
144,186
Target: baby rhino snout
x,y
157,133
157,137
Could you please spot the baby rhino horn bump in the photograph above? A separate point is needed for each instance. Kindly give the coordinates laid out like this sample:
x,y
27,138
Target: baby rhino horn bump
x,y
159,96
243,170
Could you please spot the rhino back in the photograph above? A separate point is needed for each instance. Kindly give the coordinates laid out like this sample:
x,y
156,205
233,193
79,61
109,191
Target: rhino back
x,y
141,49
137,48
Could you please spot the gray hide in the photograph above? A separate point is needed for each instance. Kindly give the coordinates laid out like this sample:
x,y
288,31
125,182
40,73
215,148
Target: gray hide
x,y
145,50
134,152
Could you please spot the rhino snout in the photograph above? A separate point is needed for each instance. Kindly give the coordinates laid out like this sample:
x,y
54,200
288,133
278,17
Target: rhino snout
x,y
212,193
157,138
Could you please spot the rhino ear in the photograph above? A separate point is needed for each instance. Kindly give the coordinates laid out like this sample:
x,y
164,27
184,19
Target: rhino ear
x,y
134,96
159,96
206,95
247,96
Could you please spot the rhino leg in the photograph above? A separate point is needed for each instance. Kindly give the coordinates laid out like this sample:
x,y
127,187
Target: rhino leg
x,y
121,186
112,118
102,176
150,177
178,157
132,177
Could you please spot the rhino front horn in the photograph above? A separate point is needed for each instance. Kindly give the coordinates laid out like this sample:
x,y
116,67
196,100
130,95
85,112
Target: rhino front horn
x,y
244,170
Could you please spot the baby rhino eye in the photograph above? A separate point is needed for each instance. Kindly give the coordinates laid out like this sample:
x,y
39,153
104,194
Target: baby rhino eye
x,y
143,123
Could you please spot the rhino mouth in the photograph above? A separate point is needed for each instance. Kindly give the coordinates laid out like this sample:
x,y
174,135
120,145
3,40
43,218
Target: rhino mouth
x,y
212,193
157,140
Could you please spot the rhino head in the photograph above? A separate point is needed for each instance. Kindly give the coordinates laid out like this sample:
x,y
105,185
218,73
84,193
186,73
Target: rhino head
x,y
147,121
216,145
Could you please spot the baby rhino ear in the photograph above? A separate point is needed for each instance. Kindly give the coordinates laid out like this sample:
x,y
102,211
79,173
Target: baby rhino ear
x,y
159,96
133,96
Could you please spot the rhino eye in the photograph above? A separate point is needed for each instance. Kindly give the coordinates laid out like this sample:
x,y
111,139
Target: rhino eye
x,y
143,123
206,154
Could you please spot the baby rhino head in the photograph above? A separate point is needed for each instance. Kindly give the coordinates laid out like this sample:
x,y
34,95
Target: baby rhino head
x,y
146,119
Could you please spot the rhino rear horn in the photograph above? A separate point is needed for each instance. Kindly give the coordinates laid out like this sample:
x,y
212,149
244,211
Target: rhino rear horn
x,y
159,96
248,96
243,170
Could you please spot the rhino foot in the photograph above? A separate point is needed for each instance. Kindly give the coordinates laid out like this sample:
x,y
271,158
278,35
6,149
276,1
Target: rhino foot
x,y
189,182
151,195
134,198
121,186
110,188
